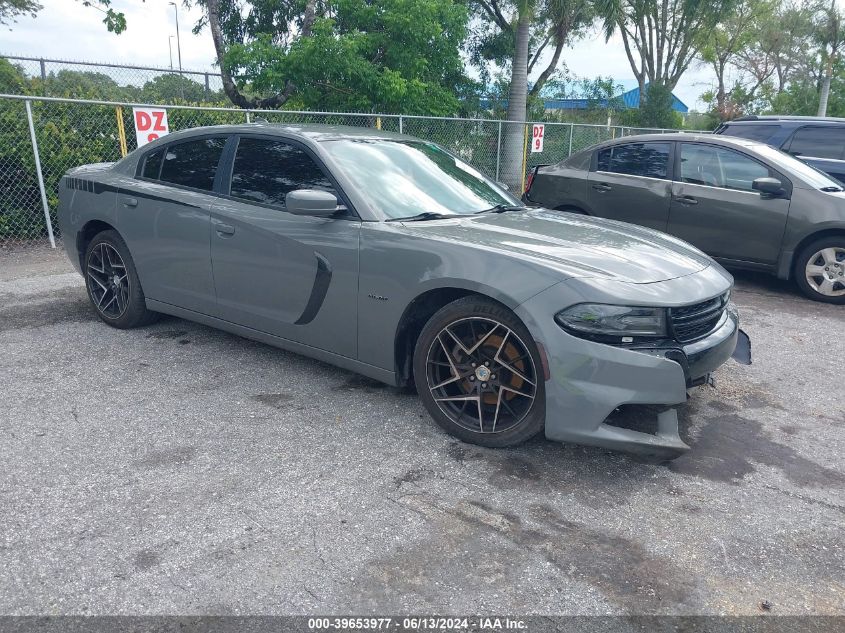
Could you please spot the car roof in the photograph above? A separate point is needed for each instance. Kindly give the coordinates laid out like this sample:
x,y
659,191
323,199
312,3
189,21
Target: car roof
x,y
715,139
752,118
309,131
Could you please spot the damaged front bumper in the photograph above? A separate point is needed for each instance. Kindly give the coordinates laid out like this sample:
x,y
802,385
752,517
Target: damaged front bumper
x,y
589,380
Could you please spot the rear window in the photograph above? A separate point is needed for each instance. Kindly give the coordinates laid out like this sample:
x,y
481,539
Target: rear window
x,y
152,164
752,131
193,163
818,142
650,160
581,160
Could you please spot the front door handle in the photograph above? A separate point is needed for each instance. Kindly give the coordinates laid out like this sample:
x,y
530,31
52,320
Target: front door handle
x,y
602,187
130,202
687,200
224,229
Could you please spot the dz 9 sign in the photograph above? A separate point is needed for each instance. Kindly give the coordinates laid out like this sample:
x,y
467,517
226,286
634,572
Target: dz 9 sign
x,y
150,124
537,132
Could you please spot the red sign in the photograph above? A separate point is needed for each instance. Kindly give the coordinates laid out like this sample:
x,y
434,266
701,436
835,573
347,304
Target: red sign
x,y
537,132
150,124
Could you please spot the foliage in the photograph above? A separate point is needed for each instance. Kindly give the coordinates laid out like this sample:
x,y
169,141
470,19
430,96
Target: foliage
x,y
115,21
11,9
355,55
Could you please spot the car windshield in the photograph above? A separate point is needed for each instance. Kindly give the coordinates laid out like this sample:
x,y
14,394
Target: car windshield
x,y
405,178
814,177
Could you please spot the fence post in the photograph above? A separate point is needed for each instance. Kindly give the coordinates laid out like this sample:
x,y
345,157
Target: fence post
x,y
248,119
400,125
498,151
571,130
43,76
38,173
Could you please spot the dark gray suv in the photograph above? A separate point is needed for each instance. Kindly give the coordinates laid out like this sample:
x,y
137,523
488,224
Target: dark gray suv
x,y
745,203
817,141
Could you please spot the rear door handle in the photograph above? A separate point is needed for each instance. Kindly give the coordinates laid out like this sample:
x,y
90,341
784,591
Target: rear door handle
x,y
602,187
130,202
687,200
224,229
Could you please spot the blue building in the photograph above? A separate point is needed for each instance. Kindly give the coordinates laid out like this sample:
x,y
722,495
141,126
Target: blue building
x,y
629,99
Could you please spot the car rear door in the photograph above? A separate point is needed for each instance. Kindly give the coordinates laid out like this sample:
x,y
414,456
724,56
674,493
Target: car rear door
x,y
822,146
632,182
715,208
289,275
165,221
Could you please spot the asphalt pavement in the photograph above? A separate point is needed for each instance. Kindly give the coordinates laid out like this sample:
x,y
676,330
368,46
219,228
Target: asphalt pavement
x,y
179,469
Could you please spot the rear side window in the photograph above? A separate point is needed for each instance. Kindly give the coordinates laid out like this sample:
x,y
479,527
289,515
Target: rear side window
x,y
265,171
636,159
818,142
752,132
194,163
152,164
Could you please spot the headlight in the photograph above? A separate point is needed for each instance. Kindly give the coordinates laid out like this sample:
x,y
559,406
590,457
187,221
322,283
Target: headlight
x,y
595,319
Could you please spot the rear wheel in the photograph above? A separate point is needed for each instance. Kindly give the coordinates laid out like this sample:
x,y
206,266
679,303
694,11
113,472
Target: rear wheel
x,y
112,283
479,373
820,270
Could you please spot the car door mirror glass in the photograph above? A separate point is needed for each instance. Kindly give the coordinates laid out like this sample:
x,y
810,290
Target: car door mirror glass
x,y
312,202
768,186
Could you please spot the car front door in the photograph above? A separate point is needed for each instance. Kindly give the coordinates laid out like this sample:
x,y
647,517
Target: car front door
x,y
631,182
165,220
289,275
715,208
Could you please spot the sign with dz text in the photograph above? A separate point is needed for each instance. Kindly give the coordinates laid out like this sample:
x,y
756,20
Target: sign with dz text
x,y
537,132
150,124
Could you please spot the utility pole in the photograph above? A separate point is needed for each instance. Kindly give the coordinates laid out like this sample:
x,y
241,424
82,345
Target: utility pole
x,y
170,48
178,40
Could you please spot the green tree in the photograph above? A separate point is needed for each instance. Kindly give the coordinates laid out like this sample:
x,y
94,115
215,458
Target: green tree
x,y
115,21
363,55
175,88
661,39
514,34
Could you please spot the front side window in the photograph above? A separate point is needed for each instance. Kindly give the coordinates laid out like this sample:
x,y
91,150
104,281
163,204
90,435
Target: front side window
x,y
650,160
193,163
266,171
719,167
818,142
402,178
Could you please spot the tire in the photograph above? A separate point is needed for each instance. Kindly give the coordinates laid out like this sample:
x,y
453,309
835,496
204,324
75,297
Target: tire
x,y
501,400
826,258
112,283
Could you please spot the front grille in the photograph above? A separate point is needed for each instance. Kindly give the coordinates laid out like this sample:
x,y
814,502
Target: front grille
x,y
690,323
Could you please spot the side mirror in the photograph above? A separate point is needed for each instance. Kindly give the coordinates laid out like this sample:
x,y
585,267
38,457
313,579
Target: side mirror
x,y
769,187
314,202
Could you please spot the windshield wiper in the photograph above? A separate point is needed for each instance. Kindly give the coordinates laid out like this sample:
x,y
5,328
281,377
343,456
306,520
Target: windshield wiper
x,y
425,215
831,189
502,208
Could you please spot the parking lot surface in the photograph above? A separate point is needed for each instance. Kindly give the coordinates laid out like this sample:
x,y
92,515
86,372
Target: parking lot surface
x,y
179,469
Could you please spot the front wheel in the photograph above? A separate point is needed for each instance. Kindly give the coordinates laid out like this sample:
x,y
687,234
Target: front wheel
x,y
820,270
479,373
112,283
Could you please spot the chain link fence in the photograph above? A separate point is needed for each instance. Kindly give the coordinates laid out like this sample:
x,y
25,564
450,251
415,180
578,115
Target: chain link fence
x,y
50,136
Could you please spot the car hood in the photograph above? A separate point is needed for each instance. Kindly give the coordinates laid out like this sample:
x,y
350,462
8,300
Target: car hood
x,y
575,245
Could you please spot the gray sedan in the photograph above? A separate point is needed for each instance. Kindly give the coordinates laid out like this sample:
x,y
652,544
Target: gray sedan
x,y
744,203
391,257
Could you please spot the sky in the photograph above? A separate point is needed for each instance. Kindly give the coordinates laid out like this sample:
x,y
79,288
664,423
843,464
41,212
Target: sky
x,y
65,29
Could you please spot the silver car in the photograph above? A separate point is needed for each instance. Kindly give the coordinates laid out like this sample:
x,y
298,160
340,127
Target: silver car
x,y
391,257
